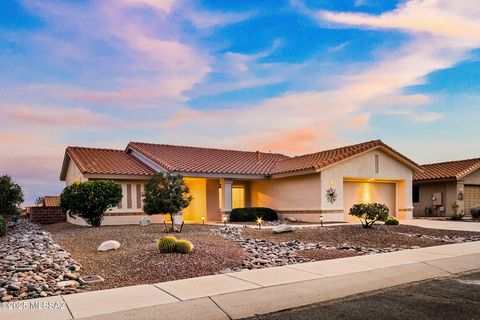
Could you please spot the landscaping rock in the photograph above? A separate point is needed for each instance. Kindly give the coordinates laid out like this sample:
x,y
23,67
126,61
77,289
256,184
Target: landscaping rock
x,y
291,219
31,264
282,228
145,221
109,245
68,283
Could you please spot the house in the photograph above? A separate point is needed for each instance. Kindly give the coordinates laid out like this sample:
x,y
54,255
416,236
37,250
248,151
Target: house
x,y
51,201
324,183
48,211
441,184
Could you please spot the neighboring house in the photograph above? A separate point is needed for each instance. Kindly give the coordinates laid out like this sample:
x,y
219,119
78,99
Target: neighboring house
x,y
48,211
441,184
325,183
51,201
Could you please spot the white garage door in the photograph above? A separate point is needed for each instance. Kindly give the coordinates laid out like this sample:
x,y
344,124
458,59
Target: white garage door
x,y
472,197
368,192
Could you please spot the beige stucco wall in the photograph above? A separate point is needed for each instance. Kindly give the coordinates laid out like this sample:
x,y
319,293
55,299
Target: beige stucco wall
x,y
449,195
119,220
290,193
362,168
73,174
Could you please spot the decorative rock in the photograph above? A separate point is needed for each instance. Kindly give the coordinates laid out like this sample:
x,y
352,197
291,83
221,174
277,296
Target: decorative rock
x,y
145,221
68,283
291,219
283,228
109,245
71,276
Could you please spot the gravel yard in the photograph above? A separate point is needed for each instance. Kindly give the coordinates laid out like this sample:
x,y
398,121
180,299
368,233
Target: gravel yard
x,y
138,261
380,236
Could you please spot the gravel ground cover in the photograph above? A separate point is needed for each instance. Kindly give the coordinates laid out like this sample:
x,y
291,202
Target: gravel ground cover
x,y
138,261
380,236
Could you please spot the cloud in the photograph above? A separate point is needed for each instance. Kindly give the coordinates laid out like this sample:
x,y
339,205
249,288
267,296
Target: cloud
x,y
427,117
206,19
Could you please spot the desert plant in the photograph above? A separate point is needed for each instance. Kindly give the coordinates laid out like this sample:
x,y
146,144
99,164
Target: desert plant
x,y
3,227
166,193
392,221
252,214
89,200
183,246
369,213
11,196
167,244
457,215
428,211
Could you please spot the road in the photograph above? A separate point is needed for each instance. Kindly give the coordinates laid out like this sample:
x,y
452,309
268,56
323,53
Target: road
x,y
454,298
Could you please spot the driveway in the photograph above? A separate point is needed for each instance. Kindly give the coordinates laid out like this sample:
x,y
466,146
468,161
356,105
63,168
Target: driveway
x,y
445,225
454,298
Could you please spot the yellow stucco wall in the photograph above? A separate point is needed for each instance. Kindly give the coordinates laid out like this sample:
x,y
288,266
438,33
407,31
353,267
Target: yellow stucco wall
x,y
291,193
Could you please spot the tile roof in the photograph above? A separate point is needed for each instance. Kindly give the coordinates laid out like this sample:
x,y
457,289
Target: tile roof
x,y
107,161
319,160
199,160
207,160
51,201
447,170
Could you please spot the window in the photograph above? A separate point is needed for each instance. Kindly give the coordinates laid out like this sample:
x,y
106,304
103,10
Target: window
x,y
416,194
139,196
238,197
129,196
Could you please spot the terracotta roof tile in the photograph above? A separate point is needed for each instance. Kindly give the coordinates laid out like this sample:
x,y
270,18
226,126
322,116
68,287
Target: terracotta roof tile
x,y
51,201
107,161
319,160
207,160
447,170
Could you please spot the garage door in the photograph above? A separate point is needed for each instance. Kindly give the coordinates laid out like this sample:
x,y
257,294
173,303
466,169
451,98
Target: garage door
x,y
368,192
472,197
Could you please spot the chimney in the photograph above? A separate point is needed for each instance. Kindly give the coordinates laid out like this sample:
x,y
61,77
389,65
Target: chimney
x,y
257,155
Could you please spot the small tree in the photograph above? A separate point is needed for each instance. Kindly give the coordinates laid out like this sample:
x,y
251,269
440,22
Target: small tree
x,y
11,196
457,215
369,213
166,193
89,200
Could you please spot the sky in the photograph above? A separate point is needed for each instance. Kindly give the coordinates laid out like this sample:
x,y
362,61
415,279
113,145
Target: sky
x,y
289,76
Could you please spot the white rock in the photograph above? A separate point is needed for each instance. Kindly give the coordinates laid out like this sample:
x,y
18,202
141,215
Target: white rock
x,y
283,228
291,219
145,221
63,284
109,245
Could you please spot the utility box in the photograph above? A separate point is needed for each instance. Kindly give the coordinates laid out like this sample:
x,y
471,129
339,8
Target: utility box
x,y
437,199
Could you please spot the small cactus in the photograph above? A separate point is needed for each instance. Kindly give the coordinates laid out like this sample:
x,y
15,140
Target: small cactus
x,y
183,246
167,244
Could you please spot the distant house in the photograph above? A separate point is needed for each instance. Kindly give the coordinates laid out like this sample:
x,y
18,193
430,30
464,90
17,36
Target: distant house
x,y
47,212
51,201
324,183
441,184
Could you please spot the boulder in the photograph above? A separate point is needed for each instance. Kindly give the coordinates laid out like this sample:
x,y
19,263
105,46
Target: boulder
x,y
291,219
283,228
109,245
67,283
145,221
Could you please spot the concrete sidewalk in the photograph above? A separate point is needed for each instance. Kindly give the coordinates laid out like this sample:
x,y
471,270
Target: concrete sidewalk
x,y
244,294
444,225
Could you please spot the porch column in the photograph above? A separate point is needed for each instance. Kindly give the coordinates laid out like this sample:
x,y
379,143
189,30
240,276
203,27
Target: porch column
x,y
226,194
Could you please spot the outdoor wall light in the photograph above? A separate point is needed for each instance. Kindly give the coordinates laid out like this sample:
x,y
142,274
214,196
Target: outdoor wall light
x,y
225,220
259,222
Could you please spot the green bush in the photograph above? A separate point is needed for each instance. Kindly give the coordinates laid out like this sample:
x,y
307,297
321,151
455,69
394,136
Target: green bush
x,y
391,221
167,244
89,200
369,213
11,196
457,215
183,246
3,227
252,214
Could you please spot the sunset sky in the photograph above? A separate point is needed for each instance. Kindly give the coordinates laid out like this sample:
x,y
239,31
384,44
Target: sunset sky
x,y
283,76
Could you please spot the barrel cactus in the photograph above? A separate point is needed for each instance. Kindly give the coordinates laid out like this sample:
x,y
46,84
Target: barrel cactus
x,y
167,244
183,246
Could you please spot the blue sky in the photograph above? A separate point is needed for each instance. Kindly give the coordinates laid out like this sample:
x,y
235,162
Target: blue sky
x,y
283,76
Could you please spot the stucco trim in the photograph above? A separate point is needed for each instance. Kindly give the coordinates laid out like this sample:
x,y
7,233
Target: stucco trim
x,y
309,211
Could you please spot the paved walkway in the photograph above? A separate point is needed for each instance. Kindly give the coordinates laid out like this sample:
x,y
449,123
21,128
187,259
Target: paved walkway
x,y
244,294
445,225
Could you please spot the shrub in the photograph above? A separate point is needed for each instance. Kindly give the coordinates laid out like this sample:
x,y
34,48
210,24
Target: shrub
x,y
183,246
167,244
166,193
89,200
475,212
392,221
252,214
3,226
11,196
369,213
456,214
